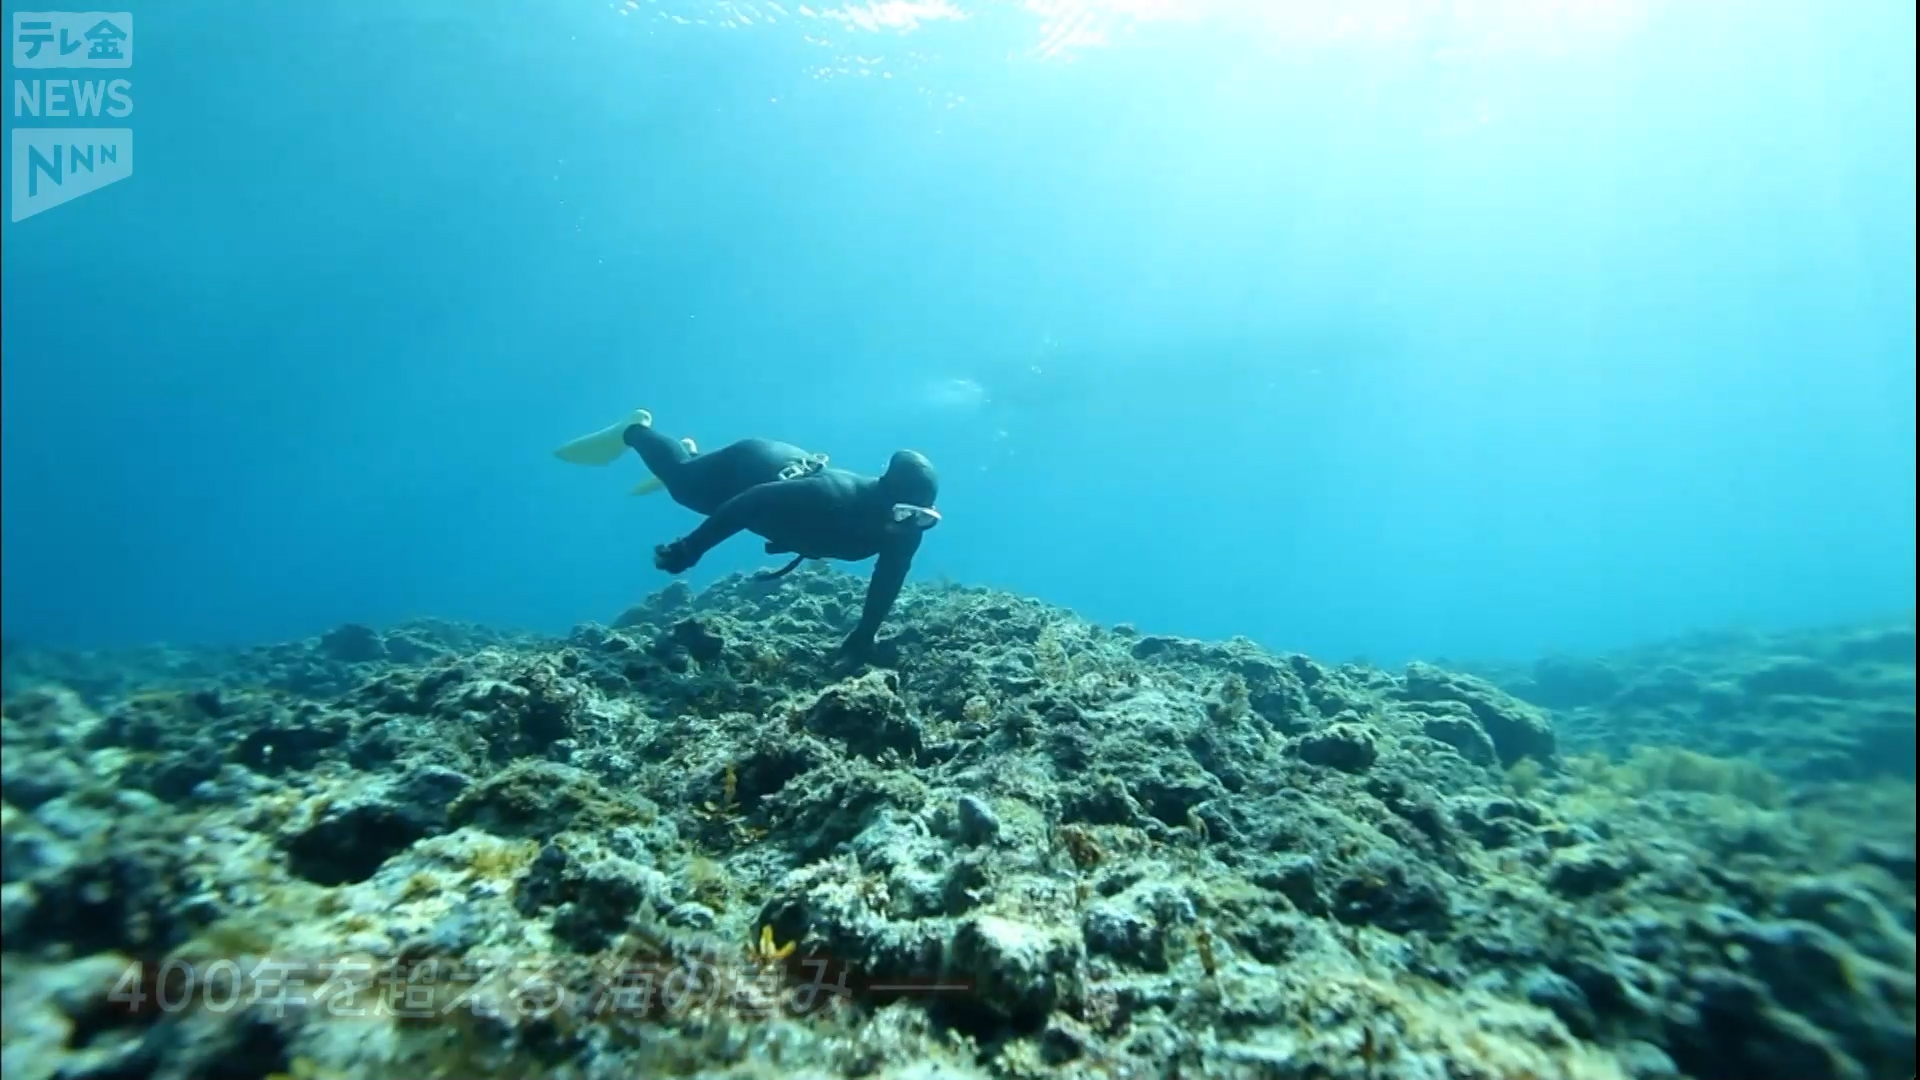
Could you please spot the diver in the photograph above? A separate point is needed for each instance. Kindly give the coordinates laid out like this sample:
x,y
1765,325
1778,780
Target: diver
x,y
791,500
830,514
700,482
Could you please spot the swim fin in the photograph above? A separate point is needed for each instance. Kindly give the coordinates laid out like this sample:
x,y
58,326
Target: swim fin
x,y
605,446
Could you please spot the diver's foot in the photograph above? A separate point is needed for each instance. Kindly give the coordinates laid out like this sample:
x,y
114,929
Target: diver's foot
x,y
605,446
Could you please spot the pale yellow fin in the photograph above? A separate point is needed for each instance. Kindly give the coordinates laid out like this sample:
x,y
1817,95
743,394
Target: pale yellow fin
x,y
605,446
690,446
647,487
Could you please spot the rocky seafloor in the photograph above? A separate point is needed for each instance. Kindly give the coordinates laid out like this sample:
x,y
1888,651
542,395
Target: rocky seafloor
x,y
1809,705
691,845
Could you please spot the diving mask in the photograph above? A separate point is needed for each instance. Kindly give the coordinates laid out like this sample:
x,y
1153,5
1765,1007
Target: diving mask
x,y
918,518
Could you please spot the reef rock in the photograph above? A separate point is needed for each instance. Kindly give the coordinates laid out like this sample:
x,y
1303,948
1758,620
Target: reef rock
x,y
696,844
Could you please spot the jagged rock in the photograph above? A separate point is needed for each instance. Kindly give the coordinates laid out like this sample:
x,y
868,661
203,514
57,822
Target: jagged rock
x,y
1818,705
1295,877
867,715
174,776
1117,841
1756,1039
1393,895
33,777
1453,723
522,715
1586,869
353,644
694,639
350,839
1018,970
829,806
978,823
1518,730
539,800
692,915
1175,790
103,894
354,834
1161,647
1645,1061
967,885
298,741
1563,997
63,1020
1895,858
1126,935
1347,747
591,892
1798,675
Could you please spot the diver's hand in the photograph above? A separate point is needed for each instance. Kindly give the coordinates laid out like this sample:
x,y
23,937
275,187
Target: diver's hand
x,y
859,649
673,558
855,649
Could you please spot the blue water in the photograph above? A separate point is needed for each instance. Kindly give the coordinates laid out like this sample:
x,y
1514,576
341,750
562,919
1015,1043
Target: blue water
x,y
1428,329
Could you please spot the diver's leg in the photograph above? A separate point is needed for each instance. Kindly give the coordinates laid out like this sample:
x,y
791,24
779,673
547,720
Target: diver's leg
x,y
662,453
713,477
753,460
705,481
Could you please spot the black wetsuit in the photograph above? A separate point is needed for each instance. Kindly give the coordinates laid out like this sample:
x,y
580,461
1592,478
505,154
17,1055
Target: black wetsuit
x,y
704,482
830,514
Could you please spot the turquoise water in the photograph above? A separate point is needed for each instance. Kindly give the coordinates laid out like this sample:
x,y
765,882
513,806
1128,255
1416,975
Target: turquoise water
x,y
1466,329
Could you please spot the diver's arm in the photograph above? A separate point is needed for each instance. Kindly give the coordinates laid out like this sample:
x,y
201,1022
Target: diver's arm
x,y
737,513
883,588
